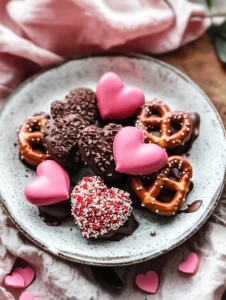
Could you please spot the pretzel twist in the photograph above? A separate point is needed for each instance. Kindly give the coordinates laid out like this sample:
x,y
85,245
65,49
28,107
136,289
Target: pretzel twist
x,y
30,133
167,139
148,197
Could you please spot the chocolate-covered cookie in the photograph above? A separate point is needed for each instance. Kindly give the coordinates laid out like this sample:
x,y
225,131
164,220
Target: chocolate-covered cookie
x,y
96,148
101,212
80,101
60,138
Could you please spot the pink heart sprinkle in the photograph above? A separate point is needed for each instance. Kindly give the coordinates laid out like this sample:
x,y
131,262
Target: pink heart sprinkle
x,y
191,265
148,282
28,296
27,273
15,280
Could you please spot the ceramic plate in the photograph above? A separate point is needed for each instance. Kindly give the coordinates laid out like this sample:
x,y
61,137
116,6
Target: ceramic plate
x,y
157,80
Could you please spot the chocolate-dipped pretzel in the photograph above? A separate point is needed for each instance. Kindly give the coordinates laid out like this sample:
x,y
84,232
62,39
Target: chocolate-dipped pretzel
x,y
30,134
149,197
166,119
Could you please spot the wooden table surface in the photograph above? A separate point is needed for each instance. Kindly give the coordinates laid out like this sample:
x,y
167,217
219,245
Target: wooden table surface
x,y
199,61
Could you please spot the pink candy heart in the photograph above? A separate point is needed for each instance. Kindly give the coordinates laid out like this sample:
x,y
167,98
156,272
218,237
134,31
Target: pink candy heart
x,y
148,282
115,100
191,265
133,156
15,280
51,185
27,273
28,296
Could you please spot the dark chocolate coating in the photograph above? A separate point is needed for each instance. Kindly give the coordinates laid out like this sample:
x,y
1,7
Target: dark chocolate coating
x,y
82,170
54,214
194,134
60,137
126,229
96,148
123,122
80,101
107,277
174,128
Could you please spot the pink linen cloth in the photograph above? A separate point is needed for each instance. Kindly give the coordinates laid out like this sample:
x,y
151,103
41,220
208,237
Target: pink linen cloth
x,y
38,33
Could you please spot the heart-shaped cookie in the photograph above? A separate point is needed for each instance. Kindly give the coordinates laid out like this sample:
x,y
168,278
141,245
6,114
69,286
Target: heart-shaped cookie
x,y
60,137
80,101
148,282
28,296
97,209
96,148
14,280
51,185
191,265
133,156
27,273
115,100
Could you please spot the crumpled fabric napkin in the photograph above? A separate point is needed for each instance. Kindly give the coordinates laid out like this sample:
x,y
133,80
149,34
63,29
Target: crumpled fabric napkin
x,y
62,280
38,33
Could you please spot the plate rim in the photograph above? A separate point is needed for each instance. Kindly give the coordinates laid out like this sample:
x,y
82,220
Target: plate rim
x,y
215,198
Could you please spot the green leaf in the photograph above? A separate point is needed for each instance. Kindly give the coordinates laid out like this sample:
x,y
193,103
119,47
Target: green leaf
x,y
218,36
220,45
209,3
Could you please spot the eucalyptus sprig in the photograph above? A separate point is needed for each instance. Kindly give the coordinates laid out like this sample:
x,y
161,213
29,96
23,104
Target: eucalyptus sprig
x,y
218,36
209,3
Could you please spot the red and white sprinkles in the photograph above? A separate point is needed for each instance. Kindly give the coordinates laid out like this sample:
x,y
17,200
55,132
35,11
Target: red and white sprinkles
x,y
98,209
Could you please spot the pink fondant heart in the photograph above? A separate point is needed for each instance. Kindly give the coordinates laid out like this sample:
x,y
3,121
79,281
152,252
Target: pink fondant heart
x,y
115,100
148,282
51,185
28,296
133,156
27,273
191,265
15,280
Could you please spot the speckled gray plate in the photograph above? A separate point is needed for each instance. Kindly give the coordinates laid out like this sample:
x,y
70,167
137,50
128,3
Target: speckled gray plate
x,y
157,80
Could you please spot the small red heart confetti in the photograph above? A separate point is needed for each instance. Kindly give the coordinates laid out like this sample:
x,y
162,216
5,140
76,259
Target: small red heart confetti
x,y
27,273
14,280
191,265
148,282
28,296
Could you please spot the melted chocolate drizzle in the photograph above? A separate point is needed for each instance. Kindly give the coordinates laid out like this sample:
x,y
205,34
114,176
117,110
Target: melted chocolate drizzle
x,y
193,207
